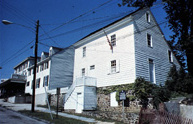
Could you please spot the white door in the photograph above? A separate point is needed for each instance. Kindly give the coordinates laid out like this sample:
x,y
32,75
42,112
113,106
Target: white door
x,y
79,103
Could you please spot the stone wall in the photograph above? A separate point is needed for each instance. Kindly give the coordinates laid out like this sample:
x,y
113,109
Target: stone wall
x,y
53,100
131,118
103,104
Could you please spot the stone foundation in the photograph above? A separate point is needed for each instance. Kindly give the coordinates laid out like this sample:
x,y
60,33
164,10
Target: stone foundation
x,y
103,102
53,101
131,118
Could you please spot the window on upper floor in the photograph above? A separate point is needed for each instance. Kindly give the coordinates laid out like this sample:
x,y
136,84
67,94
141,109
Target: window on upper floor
x,y
42,67
92,67
149,40
26,65
170,57
113,40
147,17
46,65
84,52
28,83
46,78
37,69
38,83
32,82
83,72
29,72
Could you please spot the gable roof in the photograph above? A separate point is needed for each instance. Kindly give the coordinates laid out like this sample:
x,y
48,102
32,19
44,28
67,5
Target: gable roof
x,y
109,24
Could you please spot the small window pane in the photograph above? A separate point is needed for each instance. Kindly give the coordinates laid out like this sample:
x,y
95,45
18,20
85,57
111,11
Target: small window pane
x,y
113,40
83,72
92,67
149,40
113,66
84,51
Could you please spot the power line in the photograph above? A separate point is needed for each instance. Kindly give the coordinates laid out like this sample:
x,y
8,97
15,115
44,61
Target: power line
x,y
13,55
48,36
78,29
77,17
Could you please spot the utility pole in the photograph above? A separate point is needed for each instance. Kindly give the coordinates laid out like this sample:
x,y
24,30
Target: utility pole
x,y
35,66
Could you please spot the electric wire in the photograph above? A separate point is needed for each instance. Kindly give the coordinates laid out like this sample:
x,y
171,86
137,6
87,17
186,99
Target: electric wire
x,y
77,17
15,54
49,36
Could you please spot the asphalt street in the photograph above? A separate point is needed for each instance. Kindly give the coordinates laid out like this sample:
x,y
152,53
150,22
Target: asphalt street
x,y
12,117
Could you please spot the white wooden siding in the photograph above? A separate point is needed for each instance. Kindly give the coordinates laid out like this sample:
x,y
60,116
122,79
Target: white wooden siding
x,y
98,53
159,51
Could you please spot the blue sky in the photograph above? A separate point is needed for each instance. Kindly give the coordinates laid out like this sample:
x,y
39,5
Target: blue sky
x,y
87,15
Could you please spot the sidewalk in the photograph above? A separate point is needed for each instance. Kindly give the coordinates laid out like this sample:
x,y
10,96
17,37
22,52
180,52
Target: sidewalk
x,y
18,107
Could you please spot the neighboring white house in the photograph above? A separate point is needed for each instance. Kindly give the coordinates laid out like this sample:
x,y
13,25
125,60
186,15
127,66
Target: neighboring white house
x,y
54,70
117,54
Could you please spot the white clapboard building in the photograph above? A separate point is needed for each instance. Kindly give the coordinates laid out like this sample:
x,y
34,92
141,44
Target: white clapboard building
x,y
54,70
117,54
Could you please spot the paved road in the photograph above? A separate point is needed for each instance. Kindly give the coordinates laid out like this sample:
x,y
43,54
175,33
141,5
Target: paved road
x,y
12,117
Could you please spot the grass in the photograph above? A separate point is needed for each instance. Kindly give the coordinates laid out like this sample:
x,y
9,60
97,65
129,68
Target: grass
x,y
99,119
46,117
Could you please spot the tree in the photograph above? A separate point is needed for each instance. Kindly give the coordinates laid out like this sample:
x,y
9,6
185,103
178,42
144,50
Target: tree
x,y
179,82
143,90
180,18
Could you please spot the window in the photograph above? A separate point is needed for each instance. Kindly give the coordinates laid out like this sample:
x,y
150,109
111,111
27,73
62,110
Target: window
x,y
28,83
83,72
113,66
170,56
113,40
37,69
149,40
151,71
46,81
147,16
26,65
84,52
38,83
46,65
92,67
32,83
29,72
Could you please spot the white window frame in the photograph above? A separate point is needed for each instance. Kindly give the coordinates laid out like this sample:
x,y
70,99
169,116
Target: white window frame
x,y
151,61
46,80
170,57
27,83
113,40
83,72
113,66
149,40
147,17
92,67
38,81
84,52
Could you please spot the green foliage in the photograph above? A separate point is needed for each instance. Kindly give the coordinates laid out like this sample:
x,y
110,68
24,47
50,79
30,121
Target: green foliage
x,y
179,82
143,90
160,94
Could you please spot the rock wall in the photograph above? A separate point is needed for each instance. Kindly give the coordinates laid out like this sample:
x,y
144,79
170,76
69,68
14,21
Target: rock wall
x,y
53,100
103,104
131,118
